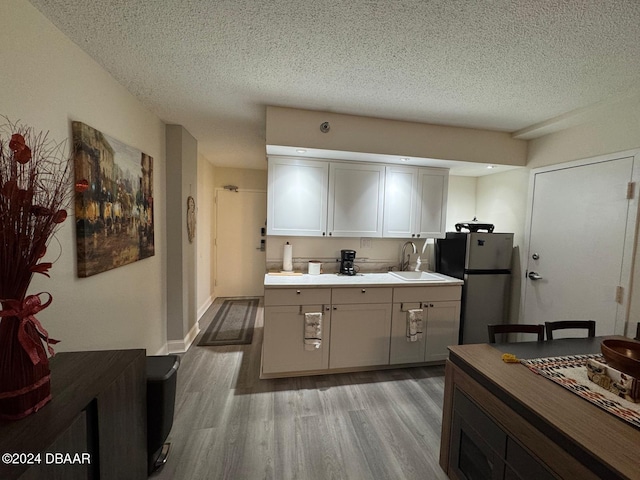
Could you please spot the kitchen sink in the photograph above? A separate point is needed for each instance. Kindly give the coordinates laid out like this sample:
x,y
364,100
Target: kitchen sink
x,y
417,276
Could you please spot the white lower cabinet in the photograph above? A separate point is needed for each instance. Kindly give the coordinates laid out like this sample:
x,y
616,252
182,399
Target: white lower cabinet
x,y
283,349
283,342
440,322
443,320
361,327
360,335
401,350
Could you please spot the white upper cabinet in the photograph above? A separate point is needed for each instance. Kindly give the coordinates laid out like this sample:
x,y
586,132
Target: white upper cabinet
x,y
400,202
297,197
415,202
432,206
356,199
351,199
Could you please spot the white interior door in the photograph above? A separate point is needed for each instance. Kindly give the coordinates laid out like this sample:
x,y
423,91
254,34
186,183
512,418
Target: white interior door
x,y
240,262
579,233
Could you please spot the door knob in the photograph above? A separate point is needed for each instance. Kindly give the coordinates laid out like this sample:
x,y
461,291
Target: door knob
x,y
534,276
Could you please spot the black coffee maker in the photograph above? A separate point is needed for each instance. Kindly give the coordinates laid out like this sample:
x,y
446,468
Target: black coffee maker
x,y
347,257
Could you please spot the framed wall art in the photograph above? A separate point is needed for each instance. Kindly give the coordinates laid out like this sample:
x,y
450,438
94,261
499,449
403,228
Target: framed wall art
x,y
113,201
191,218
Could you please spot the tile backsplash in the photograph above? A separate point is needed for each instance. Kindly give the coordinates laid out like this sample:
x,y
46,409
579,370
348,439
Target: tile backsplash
x,y
372,254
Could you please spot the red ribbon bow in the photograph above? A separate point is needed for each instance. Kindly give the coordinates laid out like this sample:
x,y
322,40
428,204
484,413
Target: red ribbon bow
x,y
25,311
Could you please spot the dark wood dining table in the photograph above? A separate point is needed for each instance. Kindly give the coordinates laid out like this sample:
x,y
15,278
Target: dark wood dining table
x,y
569,435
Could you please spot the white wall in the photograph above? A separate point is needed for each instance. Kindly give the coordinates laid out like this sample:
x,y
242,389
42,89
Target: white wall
x,y
205,234
246,178
182,168
351,133
502,200
47,82
461,201
616,129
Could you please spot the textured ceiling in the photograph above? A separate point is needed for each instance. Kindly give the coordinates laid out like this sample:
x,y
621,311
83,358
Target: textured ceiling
x,y
214,65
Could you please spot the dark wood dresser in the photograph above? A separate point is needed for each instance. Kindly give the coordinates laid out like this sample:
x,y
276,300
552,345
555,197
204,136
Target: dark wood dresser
x,y
98,412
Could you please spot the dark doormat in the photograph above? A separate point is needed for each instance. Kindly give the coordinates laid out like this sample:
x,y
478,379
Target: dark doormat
x,y
233,323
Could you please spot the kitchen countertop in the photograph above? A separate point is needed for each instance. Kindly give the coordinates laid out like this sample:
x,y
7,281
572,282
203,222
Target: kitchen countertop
x,y
360,280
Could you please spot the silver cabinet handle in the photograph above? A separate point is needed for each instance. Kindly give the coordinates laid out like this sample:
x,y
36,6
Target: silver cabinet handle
x,y
364,290
534,276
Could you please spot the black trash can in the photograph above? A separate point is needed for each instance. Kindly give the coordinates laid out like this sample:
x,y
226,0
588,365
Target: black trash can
x,y
162,373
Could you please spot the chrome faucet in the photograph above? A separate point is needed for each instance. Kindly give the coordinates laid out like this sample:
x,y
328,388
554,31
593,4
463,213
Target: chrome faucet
x,y
405,264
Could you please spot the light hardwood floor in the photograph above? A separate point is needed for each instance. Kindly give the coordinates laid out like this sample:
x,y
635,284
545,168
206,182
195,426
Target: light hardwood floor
x,y
229,424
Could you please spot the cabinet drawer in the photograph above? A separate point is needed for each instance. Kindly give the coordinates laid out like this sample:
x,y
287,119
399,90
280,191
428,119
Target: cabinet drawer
x,y
344,296
435,293
297,296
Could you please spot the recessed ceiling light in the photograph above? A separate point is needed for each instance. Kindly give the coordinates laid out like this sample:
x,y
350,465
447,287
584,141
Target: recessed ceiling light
x,y
300,150
491,166
404,159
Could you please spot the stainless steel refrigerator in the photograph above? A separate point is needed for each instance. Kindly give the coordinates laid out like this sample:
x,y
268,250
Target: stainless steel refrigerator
x,y
483,261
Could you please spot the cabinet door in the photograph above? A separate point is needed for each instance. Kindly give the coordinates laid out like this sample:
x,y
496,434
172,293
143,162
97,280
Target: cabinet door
x,y
521,465
356,198
478,444
441,330
283,342
73,441
401,350
297,197
400,202
360,335
432,208
122,413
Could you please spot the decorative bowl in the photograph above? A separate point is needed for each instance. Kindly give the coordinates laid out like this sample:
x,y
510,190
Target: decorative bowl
x,y
623,355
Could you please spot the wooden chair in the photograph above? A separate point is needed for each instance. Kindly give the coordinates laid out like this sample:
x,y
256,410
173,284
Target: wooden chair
x,y
515,328
590,325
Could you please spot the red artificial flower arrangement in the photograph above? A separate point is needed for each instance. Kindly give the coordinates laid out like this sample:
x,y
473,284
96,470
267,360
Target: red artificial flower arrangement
x,y
34,194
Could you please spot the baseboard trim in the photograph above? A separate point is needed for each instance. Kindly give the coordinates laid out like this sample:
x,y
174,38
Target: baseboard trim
x,y
205,306
163,350
181,346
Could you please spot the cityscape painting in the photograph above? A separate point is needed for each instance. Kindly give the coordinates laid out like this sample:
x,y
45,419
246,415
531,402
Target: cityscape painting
x,y
113,201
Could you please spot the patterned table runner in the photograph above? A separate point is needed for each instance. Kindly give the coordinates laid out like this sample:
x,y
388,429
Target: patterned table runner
x,y
571,373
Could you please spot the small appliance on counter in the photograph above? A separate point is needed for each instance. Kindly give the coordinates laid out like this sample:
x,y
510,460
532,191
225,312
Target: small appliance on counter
x,y
475,226
347,257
